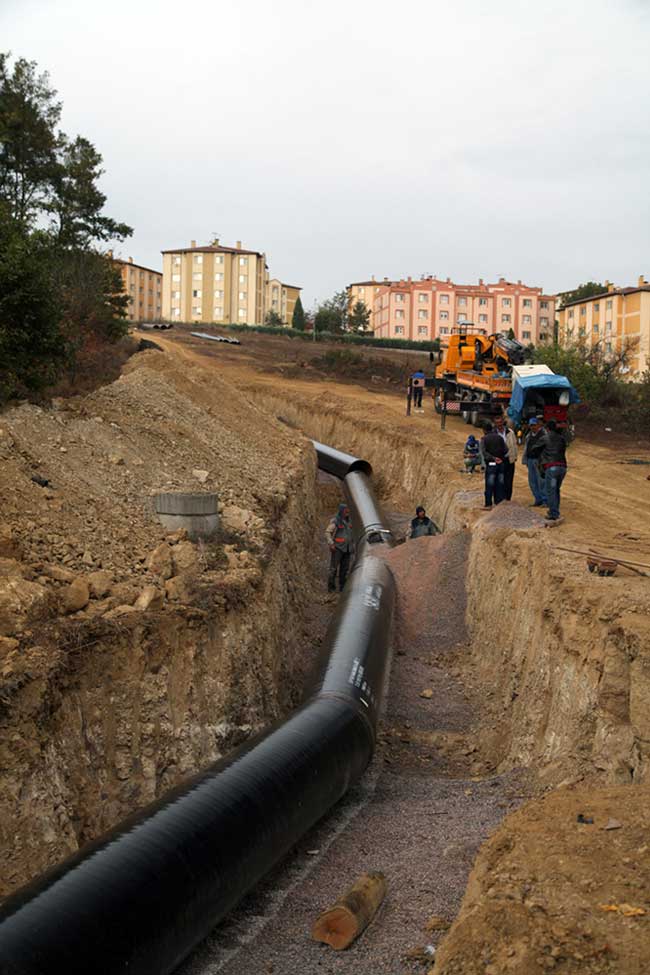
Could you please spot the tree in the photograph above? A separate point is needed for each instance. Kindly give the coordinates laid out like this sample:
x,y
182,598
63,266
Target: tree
x,y
77,201
33,349
29,142
332,314
582,292
273,319
359,318
298,317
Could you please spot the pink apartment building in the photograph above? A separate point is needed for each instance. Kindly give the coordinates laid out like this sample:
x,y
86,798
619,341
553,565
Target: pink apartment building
x,y
430,308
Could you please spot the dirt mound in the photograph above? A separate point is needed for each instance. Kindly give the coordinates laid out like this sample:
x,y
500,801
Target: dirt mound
x,y
562,886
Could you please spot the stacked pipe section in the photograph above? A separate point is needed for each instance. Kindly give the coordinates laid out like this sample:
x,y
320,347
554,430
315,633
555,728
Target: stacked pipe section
x,y
142,896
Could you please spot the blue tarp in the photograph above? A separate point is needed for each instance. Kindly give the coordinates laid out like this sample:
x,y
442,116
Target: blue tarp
x,y
522,384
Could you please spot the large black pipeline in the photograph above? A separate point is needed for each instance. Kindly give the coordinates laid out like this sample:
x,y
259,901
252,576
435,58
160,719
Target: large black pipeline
x,y
139,898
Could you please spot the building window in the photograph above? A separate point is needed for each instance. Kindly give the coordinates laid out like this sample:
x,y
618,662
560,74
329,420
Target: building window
x,y
218,258
596,328
218,294
422,329
506,302
583,310
197,276
196,311
596,306
444,316
505,319
243,261
399,313
218,313
444,299
608,326
608,347
525,335
399,330
176,312
400,298
543,321
176,277
242,313
444,330
609,304
175,295
570,312
525,319
527,303
482,318
275,290
423,298
218,276
198,258
462,302
543,304
482,301
461,318
196,294
423,313
175,260
242,279
242,296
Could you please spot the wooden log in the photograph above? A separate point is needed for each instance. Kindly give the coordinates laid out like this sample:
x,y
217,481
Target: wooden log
x,y
340,924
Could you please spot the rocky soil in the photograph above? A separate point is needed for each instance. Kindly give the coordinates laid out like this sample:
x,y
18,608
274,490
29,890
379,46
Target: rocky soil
x,y
129,657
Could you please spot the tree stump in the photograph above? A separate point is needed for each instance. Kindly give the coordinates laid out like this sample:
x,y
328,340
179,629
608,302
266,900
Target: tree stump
x,y
340,924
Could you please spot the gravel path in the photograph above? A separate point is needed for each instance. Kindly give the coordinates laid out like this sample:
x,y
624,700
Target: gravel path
x,y
419,815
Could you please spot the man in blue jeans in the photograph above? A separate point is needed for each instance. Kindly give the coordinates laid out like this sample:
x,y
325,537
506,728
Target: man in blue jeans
x,y
532,450
494,451
552,459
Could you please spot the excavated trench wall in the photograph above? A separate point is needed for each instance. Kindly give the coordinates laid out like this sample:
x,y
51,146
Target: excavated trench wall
x,y
561,658
96,726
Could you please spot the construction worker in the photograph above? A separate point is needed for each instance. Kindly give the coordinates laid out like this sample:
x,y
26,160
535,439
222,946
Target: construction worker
x,y
495,452
421,525
504,429
417,382
552,460
341,545
471,454
530,457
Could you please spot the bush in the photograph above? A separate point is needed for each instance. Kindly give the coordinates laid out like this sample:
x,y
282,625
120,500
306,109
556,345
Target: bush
x,y
344,337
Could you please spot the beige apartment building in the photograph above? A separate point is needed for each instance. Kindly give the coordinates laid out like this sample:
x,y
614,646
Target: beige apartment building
x,y
430,308
365,291
618,316
144,289
281,298
214,284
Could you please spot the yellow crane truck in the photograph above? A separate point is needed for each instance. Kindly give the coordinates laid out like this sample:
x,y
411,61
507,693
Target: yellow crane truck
x,y
474,375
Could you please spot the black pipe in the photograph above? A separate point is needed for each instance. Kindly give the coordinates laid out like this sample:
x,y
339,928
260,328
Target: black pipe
x,y
139,898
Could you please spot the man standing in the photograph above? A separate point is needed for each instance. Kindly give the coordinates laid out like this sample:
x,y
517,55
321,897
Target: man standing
x,y
553,463
494,451
417,382
421,525
530,457
504,429
341,544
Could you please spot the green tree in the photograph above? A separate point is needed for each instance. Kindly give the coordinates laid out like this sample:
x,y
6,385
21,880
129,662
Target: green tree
x,y
332,314
77,202
298,317
359,318
33,349
582,292
29,143
273,319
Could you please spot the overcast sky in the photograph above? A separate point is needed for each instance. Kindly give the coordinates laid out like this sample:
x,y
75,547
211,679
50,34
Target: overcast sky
x,y
462,138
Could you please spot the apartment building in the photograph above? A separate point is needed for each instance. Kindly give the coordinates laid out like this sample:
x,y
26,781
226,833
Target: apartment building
x,y
281,298
430,308
144,288
615,317
365,291
214,284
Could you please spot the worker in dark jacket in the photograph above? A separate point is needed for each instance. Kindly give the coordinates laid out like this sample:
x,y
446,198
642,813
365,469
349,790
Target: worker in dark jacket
x,y
341,545
494,452
421,525
532,451
552,461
